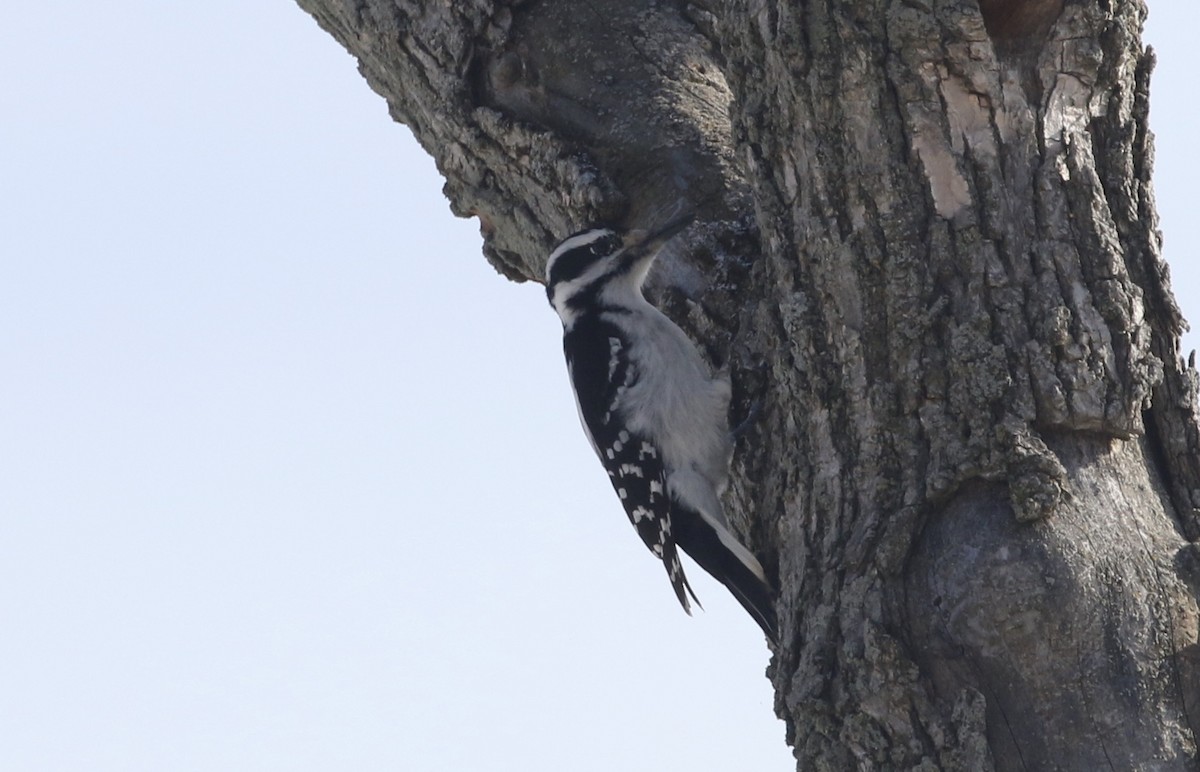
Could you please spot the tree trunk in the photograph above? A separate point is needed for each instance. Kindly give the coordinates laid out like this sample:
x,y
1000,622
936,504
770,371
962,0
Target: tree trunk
x,y
928,249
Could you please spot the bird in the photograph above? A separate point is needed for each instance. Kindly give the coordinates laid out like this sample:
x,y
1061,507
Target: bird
x,y
654,411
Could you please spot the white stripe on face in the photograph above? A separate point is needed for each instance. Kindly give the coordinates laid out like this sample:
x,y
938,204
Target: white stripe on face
x,y
578,241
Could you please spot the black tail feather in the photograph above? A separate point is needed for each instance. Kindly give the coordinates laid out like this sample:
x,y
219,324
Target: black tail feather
x,y
679,581
704,546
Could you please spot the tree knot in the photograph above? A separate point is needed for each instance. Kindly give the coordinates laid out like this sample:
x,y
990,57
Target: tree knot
x,y
1036,478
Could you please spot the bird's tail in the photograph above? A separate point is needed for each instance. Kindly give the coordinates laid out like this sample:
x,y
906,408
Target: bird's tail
x,y
683,589
732,565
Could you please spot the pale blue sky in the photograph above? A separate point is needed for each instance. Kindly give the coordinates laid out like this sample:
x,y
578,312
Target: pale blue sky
x,y
290,479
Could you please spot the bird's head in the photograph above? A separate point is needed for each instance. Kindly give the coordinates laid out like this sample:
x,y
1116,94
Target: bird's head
x,y
589,263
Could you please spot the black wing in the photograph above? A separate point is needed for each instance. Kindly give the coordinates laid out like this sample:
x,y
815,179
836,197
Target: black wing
x,y
600,374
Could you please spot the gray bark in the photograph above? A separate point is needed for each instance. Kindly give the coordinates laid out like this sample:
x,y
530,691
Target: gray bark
x,y
928,248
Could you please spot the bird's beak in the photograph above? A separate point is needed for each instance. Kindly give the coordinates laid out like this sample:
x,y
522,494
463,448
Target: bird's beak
x,y
648,242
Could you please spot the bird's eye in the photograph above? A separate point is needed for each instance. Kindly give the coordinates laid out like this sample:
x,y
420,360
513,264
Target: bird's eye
x,y
606,246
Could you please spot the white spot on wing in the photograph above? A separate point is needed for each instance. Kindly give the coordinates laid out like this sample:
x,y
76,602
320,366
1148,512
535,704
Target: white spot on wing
x,y
614,356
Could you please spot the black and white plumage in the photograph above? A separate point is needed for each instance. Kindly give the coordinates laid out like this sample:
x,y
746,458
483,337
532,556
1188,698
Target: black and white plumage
x,y
655,414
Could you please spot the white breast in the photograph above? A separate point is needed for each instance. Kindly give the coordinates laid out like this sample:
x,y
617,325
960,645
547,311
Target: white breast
x,y
676,399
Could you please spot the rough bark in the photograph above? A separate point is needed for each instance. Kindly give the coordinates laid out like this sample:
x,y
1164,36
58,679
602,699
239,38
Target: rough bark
x,y
928,248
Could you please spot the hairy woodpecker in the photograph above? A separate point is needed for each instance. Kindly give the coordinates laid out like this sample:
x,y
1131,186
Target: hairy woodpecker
x,y
653,410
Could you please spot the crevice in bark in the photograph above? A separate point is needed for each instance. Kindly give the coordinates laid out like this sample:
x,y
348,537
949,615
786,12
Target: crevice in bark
x,y
1018,19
